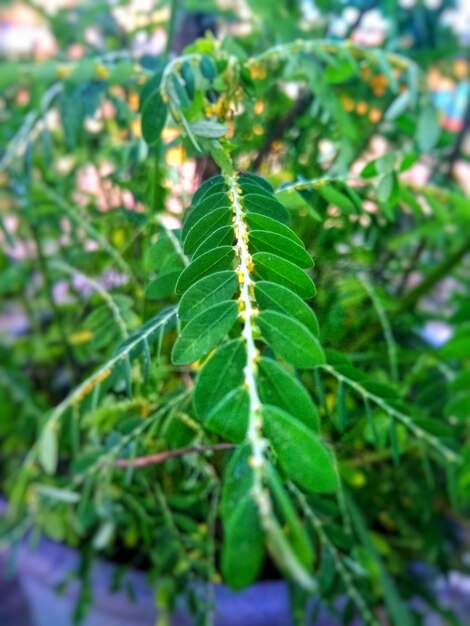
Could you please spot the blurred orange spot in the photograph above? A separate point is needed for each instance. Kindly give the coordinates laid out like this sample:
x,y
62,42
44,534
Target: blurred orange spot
x,y
175,156
375,115
362,108
259,107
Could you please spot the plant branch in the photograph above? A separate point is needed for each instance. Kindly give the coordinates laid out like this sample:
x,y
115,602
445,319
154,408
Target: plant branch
x,y
449,455
161,457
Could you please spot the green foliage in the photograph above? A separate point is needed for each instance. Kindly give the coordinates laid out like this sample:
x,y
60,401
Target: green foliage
x,y
195,404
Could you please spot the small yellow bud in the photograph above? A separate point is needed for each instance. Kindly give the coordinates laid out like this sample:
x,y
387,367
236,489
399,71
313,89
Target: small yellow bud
x,y
102,72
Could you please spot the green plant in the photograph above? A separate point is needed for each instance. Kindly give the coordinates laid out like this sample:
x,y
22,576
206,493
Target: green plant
x,y
212,342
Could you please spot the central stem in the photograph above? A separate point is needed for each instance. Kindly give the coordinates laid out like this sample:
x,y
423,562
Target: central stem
x,y
248,311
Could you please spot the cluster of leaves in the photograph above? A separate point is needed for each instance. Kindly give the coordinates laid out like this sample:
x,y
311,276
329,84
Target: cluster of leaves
x,y
249,368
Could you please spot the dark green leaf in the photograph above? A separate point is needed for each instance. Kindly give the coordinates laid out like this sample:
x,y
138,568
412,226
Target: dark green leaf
x,y
204,227
290,339
283,390
223,236
222,373
229,418
273,268
278,298
206,292
263,205
204,332
265,241
153,118
210,262
301,454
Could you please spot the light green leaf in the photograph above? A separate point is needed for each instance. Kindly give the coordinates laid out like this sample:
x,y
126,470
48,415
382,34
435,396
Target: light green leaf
x,y
266,241
55,493
428,129
283,390
293,529
48,449
301,454
274,268
204,332
398,106
205,292
286,559
222,373
209,128
275,297
229,418
210,262
333,196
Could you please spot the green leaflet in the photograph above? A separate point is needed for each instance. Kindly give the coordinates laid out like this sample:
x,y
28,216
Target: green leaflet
x,y
219,375
238,480
265,241
257,203
292,528
283,390
204,227
204,332
206,292
333,196
243,547
212,185
49,449
276,269
208,204
229,418
187,74
208,263
291,340
208,68
278,298
163,286
153,109
248,177
223,236
256,221
301,454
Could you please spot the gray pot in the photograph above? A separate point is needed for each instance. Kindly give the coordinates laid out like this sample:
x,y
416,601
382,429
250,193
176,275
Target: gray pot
x,y
39,571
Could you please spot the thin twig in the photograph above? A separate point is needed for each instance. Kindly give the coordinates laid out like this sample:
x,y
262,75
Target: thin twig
x,y
161,457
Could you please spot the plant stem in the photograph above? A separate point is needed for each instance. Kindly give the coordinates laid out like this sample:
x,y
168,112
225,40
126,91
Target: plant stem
x,y
43,266
174,10
161,457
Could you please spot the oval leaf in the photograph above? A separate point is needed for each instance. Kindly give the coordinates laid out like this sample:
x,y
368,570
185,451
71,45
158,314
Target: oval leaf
x,y
290,339
204,332
301,454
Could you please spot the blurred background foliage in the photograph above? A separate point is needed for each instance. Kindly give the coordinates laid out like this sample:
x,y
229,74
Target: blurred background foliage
x,y
372,157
